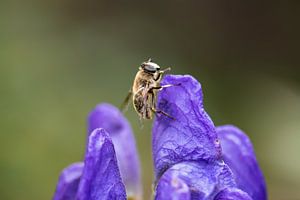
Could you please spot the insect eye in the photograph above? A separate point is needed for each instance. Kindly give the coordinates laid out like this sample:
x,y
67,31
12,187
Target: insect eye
x,y
149,68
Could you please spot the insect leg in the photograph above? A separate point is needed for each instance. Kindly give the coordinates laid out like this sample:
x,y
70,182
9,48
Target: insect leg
x,y
165,70
161,72
145,99
125,103
162,112
164,86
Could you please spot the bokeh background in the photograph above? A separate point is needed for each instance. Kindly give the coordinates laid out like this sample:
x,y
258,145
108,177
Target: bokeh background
x,y
59,58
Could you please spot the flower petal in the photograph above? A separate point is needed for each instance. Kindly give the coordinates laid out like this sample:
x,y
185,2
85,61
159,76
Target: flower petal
x,y
172,188
111,119
68,182
101,178
191,136
232,194
204,179
239,155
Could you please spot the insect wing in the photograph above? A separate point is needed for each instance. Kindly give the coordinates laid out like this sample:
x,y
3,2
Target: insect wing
x,y
124,106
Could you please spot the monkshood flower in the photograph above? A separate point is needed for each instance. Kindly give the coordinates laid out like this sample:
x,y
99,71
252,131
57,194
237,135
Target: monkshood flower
x,y
111,165
187,151
192,158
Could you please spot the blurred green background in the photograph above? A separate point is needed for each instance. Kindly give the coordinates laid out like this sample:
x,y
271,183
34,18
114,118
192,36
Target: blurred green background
x,y
59,58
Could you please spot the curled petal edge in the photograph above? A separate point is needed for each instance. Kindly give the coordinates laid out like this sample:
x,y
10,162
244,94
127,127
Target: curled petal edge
x,y
203,179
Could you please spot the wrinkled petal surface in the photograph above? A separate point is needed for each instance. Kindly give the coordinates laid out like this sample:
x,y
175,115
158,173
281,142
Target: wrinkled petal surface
x,y
239,155
68,182
203,179
101,178
112,120
191,136
232,194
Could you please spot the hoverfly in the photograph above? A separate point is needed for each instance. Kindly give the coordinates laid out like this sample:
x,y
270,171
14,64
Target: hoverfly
x,y
144,90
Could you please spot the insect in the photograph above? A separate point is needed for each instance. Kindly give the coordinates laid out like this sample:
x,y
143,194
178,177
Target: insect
x,y
144,90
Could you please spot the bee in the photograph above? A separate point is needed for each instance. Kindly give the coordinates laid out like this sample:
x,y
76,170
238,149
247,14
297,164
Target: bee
x,y
144,90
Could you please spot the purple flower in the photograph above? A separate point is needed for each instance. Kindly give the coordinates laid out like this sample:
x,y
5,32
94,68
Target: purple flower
x,y
188,149
111,164
239,155
111,119
68,182
101,178
192,158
